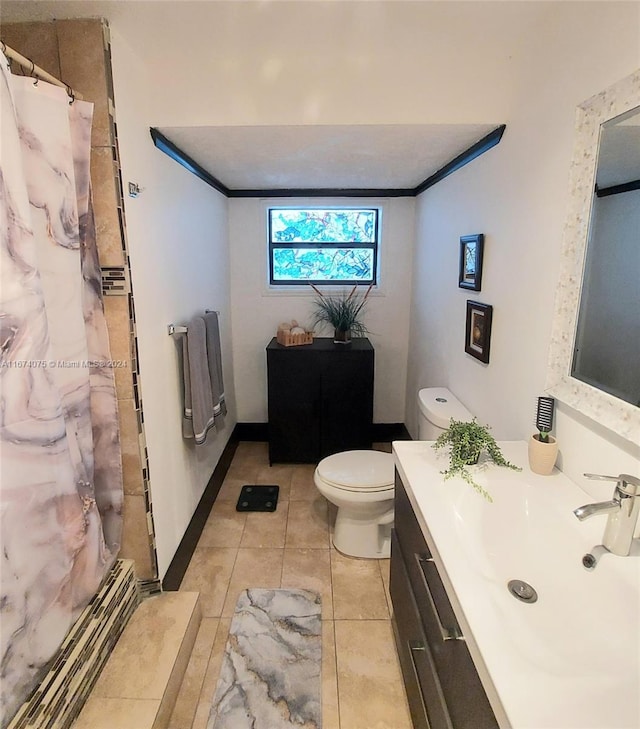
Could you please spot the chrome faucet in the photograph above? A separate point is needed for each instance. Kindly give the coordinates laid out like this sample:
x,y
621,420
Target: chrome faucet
x,y
623,512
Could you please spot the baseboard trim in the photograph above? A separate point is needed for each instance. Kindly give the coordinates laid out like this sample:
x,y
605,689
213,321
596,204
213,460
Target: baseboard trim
x,y
380,432
182,557
251,432
386,432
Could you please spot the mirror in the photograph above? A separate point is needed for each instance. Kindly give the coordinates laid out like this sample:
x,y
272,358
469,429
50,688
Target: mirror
x,y
607,343
597,314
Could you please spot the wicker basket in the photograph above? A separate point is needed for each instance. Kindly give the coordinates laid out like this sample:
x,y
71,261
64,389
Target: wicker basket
x,y
286,339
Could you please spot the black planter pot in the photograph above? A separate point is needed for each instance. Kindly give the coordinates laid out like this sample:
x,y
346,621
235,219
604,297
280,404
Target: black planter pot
x,y
341,336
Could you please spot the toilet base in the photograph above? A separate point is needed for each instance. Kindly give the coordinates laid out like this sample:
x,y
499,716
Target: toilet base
x,y
356,536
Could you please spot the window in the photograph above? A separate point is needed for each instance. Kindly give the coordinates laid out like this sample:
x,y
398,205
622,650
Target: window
x,y
323,245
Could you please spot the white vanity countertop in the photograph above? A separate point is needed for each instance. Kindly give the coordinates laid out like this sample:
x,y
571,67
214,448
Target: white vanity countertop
x,y
571,660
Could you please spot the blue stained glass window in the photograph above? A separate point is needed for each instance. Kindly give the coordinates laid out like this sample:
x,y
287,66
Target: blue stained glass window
x,y
323,245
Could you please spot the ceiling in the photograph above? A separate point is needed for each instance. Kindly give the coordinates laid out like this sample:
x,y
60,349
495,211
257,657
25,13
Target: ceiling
x,y
325,156
307,156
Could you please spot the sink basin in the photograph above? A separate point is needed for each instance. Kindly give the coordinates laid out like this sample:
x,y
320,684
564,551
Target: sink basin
x,y
571,660
519,536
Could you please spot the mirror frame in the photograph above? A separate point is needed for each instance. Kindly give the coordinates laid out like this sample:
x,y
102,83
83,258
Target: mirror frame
x,y
613,413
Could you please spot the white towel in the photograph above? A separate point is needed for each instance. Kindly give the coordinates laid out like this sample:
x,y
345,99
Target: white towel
x,y
199,415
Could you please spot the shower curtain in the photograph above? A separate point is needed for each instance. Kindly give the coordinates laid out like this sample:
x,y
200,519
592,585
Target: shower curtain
x,y
60,468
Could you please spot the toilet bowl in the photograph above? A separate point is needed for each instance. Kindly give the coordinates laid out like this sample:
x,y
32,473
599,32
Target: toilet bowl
x,y
361,485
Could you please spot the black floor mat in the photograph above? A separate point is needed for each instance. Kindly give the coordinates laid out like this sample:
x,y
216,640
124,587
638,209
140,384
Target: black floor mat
x,y
258,498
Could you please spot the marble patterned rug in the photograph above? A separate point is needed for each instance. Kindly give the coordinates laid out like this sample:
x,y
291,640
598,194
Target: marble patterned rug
x,y
271,671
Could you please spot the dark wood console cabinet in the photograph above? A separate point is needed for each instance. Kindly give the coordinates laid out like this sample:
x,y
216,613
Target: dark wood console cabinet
x,y
443,687
320,399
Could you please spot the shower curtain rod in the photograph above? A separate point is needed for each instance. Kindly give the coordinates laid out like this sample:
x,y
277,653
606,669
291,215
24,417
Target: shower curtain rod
x,y
34,70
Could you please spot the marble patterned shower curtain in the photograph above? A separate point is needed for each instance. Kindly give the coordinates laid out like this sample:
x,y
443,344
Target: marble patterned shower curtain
x,y
60,469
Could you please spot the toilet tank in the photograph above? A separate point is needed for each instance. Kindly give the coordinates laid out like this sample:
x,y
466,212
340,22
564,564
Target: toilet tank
x,y
436,407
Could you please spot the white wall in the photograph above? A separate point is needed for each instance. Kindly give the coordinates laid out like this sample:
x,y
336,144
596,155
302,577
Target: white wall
x,y
178,244
516,195
257,310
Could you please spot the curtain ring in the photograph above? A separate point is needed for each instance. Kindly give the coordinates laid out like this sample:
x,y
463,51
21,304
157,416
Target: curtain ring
x,y
4,51
71,94
32,73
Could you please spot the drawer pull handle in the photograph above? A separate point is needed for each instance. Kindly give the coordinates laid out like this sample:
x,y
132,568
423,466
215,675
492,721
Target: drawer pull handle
x,y
416,646
453,633
417,650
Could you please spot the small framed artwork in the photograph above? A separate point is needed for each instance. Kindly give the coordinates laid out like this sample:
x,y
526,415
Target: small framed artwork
x,y
471,251
478,330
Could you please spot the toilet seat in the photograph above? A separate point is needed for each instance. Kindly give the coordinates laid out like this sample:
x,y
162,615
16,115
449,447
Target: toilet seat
x,y
358,471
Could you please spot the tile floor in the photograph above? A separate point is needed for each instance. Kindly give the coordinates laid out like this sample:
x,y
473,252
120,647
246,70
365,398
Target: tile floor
x,y
291,547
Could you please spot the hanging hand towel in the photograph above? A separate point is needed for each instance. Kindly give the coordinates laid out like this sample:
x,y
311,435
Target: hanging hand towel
x,y
198,402
214,358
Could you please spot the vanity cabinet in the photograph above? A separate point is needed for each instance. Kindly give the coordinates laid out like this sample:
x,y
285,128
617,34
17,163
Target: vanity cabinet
x,y
443,687
320,399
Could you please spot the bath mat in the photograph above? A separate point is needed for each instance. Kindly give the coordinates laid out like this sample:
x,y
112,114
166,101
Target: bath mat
x,y
271,670
258,498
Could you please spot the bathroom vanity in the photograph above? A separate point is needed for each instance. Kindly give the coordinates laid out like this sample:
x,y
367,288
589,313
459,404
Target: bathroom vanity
x,y
475,656
443,686
320,399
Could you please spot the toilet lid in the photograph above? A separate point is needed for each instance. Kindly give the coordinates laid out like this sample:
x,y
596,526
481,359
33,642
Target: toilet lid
x,y
358,470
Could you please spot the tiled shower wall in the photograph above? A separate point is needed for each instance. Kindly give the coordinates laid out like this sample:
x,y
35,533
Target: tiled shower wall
x,y
78,53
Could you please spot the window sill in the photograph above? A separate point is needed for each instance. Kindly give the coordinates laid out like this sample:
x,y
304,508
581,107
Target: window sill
x,y
307,291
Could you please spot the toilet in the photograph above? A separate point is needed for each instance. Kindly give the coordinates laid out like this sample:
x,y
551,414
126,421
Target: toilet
x,y
361,483
437,405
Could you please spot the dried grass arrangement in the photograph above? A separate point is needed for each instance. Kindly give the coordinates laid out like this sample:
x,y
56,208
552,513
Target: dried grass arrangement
x,y
342,311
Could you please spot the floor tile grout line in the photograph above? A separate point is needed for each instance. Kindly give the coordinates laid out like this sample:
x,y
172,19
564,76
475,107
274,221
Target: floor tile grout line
x,y
362,620
333,607
198,700
384,587
284,544
333,599
335,666
244,527
204,674
226,592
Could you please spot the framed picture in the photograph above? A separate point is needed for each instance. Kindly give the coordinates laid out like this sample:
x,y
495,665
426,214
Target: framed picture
x,y
471,250
478,330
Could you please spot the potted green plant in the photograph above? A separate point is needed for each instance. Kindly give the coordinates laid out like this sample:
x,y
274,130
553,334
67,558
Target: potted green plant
x,y
342,312
467,440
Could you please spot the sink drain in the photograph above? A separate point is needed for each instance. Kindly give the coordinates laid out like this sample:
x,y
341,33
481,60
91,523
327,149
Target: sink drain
x,y
522,590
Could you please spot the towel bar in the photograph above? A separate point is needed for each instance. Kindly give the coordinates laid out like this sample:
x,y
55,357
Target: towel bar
x,y
176,329
173,329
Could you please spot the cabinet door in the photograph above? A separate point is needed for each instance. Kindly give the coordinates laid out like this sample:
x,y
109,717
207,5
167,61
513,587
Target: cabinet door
x,y
347,401
294,407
